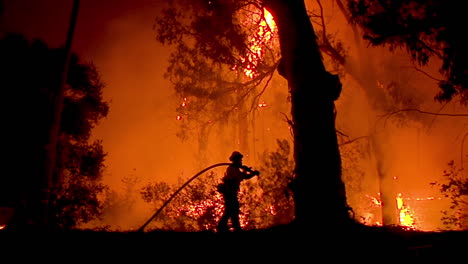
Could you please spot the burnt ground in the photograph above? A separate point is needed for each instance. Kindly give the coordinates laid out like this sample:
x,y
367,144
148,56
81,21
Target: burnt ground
x,y
274,245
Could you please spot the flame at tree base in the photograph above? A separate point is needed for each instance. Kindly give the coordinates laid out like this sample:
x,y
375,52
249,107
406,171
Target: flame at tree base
x,y
422,214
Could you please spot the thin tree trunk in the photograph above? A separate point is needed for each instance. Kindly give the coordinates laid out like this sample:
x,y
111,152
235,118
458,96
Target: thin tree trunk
x,y
319,192
51,153
386,184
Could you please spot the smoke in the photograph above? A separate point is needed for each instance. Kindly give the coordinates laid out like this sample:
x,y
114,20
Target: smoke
x,y
139,133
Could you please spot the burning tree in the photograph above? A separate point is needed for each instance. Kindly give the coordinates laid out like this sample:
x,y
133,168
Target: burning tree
x,y
221,64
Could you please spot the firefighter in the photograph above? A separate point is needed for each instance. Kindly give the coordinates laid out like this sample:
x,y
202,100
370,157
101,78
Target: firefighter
x,y
229,188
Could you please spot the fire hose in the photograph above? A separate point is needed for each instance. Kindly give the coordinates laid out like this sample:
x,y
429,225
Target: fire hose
x,y
178,190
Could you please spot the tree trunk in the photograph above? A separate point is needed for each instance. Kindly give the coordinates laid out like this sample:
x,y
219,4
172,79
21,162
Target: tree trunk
x,y
319,191
387,191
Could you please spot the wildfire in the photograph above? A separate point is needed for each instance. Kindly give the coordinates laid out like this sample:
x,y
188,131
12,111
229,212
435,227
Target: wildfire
x,y
263,36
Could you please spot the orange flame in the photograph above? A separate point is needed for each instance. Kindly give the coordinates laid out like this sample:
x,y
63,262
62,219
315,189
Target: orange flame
x,y
264,35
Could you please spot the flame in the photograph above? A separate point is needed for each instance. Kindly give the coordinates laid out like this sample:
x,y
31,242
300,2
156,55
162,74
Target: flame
x,y
2,227
263,36
405,215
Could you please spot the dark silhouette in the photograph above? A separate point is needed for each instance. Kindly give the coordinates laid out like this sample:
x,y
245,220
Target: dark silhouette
x,y
30,72
229,188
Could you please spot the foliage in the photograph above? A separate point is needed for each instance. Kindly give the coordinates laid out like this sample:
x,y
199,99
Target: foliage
x,y
454,187
77,201
31,76
427,29
274,182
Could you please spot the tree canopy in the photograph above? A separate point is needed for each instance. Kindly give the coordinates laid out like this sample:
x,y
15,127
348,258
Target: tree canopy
x,y
428,30
31,73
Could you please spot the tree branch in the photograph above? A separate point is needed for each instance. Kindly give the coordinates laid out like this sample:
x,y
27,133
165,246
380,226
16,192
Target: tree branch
x,y
420,111
352,140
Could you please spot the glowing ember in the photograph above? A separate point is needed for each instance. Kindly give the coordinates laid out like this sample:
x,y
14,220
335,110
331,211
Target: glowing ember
x,y
262,104
183,104
2,227
375,200
272,210
199,209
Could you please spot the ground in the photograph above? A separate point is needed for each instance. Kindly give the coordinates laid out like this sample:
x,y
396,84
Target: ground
x,y
271,245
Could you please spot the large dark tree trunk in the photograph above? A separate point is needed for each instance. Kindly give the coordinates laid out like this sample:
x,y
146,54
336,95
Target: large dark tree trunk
x,y
319,191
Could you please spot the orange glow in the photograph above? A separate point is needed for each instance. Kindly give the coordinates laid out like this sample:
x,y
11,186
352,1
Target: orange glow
x,y
262,104
178,117
2,227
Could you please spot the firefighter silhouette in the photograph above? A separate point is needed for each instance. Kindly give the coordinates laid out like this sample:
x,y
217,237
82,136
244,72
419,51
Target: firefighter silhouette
x,y
229,188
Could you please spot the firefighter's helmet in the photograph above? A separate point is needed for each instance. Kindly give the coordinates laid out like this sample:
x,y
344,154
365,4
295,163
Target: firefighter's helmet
x,y
236,155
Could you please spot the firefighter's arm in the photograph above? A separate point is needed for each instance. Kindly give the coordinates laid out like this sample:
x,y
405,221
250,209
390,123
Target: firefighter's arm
x,y
249,173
